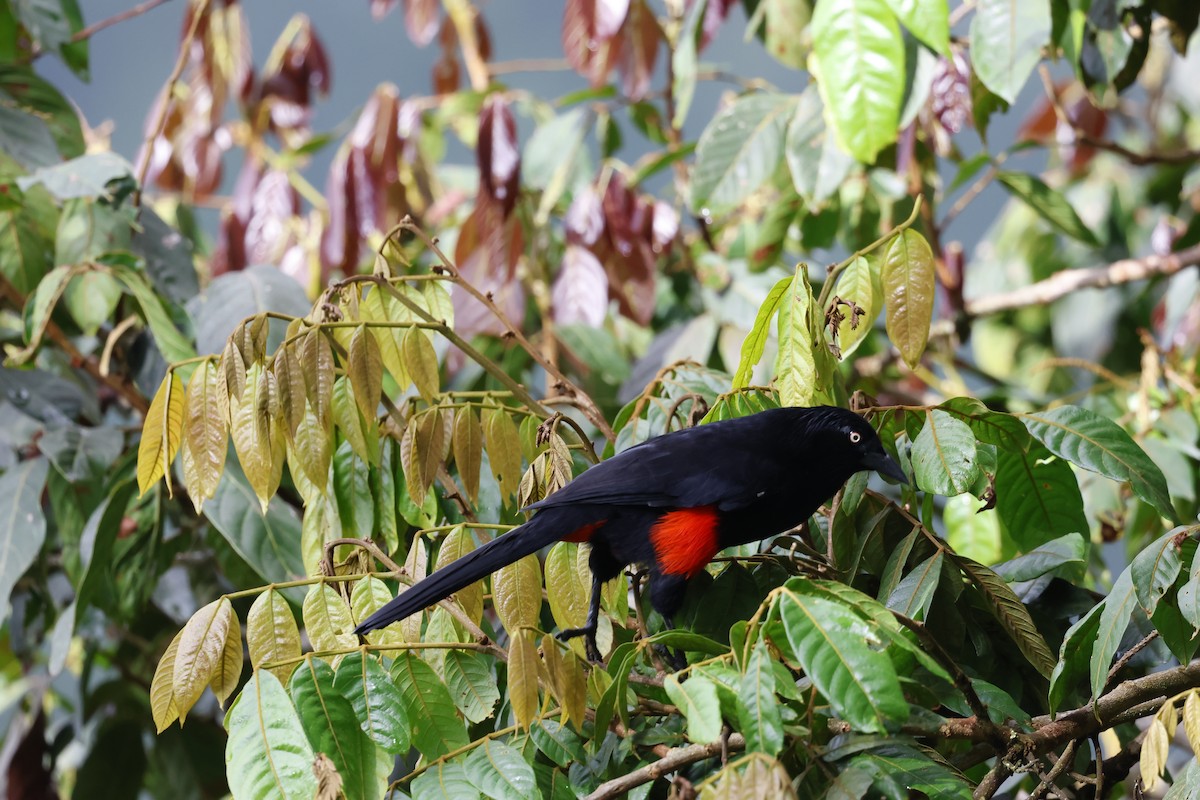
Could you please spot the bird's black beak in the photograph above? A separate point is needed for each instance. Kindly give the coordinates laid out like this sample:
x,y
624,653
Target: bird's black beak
x,y
885,465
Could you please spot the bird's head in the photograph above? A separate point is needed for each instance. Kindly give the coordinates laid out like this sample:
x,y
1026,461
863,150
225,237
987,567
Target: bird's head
x,y
850,444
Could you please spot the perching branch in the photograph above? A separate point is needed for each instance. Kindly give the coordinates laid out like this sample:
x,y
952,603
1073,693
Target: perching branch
x,y
1063,283
672,761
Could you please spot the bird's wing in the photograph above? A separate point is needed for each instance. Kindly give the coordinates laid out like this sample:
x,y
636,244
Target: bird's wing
x,y
705,465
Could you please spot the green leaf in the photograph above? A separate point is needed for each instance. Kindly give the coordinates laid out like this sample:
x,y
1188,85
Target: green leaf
x,y
1156,567
913,595
860,284
697,701
445,779
927,20
758,708
327,619
377,702
330,722
1006,43
1049,204
267,754
858,60
756,340
558,742
269,543
739,150
1117,610
352,489
91,298
842,655
785,30
818,166
472,683
907,277
498,771
436,727
85,176
22,523
555,159
172,343
1068,549
1096,443
365,369
943,455
27,139
795,362
1010,612
901,770
27,253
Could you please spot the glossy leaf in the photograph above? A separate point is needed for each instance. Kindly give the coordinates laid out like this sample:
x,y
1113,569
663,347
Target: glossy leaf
x,y
458,543
22,523
944,455
503,449
517,594
928,21
205,435
795,362
289,381
860,284
331,725
907,277
758,708
914,594
498,770
161,432
267,754
229,668
327,619
271,633
1116,611
368,596
1068,549
697,700
839,652
1093,442
858,52
523,676
378,703
1156,567
436,727
472,683
756,341
162,688
199,654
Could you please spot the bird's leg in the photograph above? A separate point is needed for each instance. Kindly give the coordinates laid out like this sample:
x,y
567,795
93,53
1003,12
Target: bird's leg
x,y
666,595
588,631
676,658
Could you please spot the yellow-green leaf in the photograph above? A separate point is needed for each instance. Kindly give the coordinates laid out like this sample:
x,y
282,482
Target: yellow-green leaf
x,y
468,449
908,292
1191,720
161,432
795,364
229,668
366,371
438,302
361,432
523,677
378,306
517,593
568,589
327,619
416,567
289,379
257,437
231,375
504,449
1154,754
312,450
199,654
368,596
861,285
272,634
316,365
458,543
162,688
421,361
205,432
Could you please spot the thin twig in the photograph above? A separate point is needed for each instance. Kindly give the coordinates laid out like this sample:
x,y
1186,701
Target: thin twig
x,y
160,119
1124,660
1063,283
1059,767
672,761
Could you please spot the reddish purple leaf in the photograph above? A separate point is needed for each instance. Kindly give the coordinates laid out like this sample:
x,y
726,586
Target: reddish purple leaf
x,y
639,50
421,20
584,221
664,227
274,203
489,246
339,240
381,8
608,16
580,292
591,55
498,153
714,17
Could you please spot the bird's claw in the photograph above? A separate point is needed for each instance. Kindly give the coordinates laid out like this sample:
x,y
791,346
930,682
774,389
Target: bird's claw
x,y
589,641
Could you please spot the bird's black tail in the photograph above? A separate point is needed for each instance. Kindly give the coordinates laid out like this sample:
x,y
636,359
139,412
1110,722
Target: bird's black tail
x,y
535,534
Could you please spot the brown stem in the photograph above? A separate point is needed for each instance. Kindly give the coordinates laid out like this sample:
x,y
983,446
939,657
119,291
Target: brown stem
x,y
673,760
1063,283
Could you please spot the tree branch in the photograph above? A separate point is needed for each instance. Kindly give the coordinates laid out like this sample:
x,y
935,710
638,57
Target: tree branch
x,y
672,761
1063,283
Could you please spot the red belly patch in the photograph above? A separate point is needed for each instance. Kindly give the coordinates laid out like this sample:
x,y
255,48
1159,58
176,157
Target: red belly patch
x,y
584,532
685,540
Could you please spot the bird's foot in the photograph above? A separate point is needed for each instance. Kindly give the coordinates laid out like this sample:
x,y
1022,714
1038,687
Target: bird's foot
x,y
675,658
589,641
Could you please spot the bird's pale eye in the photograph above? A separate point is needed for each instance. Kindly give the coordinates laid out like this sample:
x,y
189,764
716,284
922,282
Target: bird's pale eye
x,y
855,437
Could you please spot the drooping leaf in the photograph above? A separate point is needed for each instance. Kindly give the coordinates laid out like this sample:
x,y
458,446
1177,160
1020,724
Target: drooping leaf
x,y
860,284
327,619
161,432
914,594
517,594
1049,204
1010,612
331,725
467,445
907,277
257,437
523,676
271,633
365,370
22,523
1006,43
458,543
421,361
205,432
758,707
1096,443
229,668
199,652
377,702
1156,567
503,449
795,362
929,22
738,151
268,754
858,52
1116,611
162,688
